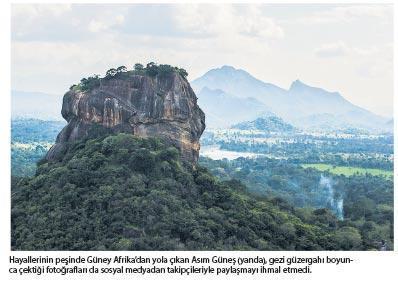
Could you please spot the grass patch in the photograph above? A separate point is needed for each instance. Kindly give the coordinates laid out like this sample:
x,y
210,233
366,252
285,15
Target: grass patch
x,y
349,171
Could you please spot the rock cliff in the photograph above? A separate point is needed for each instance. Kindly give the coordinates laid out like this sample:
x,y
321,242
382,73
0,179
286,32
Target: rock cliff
x,y
163,106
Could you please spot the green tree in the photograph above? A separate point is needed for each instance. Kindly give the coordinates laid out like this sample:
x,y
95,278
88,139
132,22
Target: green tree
x,y
183,72
152,69
121,69
348,238
138,67
111,73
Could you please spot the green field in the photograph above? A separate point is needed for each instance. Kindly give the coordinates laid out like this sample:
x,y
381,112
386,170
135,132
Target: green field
x,y
349,171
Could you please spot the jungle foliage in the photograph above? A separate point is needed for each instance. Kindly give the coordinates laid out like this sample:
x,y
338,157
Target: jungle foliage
x,y
121,192
151,69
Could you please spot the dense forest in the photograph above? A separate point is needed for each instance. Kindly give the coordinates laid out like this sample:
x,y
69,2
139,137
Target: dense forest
x,y
305,145
126,193
366,201
30,141
338,149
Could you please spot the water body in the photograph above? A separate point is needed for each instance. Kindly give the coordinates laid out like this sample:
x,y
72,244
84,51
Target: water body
x,y
214,152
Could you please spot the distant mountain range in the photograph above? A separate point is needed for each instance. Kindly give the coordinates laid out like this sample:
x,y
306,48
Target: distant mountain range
x,y
223,110
36,105
301,105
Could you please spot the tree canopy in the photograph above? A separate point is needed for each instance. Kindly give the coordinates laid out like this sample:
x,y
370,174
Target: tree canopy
x,y
121,192
151,69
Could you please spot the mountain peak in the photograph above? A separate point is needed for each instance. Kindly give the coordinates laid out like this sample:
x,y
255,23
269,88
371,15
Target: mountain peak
x,y
296,84
237,82
229,70
228,67
299,101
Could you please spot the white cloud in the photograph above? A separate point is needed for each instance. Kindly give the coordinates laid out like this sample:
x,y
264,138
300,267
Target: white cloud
x,y
43,22
201,20
361,11
63,23
253,23
340,48
119,19
347,13
332,50
78,22
96,26
374,62
226,19
39,10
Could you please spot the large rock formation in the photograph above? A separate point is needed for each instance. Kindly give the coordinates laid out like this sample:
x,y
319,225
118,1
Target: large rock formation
x,y
159,106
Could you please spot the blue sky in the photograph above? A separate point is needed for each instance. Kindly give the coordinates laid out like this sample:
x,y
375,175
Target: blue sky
x,y
344,48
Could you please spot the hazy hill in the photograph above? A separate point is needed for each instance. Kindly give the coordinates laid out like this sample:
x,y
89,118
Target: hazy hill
x,y
390,123
297,105
236,82
267,124
223,110
36,105
35,130
318,108
30,141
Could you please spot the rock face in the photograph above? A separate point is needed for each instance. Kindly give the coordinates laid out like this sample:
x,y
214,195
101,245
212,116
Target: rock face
x,y
160,106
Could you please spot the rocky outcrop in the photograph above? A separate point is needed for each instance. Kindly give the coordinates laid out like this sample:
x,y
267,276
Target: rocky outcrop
x,y
160,106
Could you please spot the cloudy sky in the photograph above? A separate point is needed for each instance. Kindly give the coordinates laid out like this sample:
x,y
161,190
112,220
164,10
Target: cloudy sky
x,y
344,48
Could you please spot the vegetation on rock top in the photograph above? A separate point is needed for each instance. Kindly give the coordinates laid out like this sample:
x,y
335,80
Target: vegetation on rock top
x,y
151,69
